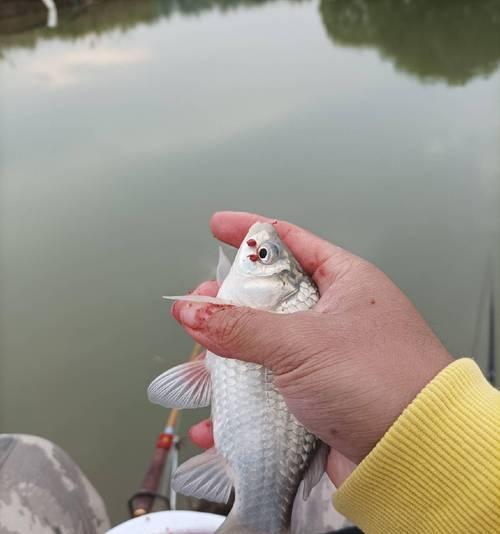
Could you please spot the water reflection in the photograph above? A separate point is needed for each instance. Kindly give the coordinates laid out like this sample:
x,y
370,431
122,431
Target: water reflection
x,y
81,17
451,40
51,13
133,120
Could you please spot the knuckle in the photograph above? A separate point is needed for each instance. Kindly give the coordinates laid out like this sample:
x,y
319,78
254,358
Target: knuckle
x,y
295,370
350,263
297,345
231,327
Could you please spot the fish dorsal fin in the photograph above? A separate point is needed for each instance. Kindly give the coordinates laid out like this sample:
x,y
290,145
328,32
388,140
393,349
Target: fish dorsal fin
x,y
315,469
223,266
205,477
186,386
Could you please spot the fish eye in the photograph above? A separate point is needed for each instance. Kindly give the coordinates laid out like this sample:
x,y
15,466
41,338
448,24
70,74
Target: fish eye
x,y
268,252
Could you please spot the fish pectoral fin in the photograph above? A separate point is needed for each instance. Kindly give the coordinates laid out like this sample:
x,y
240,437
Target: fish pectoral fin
x,y
205,477
185,386
315,469
223,267
200,299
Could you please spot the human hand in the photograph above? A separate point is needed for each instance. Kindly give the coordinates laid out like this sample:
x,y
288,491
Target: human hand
x,y
346,369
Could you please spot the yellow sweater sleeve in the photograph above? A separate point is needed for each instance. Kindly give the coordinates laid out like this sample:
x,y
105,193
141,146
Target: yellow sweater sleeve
x,y
437,469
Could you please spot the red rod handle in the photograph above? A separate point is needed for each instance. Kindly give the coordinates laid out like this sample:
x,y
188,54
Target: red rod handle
x,y
143,504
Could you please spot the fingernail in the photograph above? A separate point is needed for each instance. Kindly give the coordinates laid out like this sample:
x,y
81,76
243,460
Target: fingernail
x,y
195,316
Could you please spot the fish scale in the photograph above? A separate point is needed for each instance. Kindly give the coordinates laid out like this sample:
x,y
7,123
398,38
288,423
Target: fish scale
x,y
269,463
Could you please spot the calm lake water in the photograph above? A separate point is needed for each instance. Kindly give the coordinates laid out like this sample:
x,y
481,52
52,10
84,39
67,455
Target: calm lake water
x,y
374,124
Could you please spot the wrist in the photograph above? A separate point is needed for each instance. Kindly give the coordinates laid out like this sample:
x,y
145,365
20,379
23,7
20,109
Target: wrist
x,y
396,393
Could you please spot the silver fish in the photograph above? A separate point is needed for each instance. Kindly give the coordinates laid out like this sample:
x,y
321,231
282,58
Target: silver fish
x,y
260,448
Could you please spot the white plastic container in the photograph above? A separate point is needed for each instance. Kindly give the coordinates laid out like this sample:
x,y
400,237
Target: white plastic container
x,y
171,522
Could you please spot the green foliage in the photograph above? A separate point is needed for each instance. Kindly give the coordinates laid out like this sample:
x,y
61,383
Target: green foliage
x,y
451,40
22,22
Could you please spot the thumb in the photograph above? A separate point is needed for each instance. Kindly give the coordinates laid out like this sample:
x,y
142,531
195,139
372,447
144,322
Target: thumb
x,y
277,341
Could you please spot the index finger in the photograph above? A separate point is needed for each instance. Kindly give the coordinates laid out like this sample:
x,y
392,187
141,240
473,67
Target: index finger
x,y
318,257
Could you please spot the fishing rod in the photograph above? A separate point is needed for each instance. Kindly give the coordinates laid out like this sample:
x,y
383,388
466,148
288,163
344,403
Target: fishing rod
x,y
142,501
491,365
487,304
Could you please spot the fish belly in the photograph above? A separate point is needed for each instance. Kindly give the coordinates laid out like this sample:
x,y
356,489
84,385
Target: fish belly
x,y
266,449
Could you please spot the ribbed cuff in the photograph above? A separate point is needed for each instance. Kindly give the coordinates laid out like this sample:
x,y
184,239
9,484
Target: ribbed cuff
x,y
437,469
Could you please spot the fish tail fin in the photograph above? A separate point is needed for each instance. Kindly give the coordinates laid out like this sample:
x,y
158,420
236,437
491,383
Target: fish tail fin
x,y
232,525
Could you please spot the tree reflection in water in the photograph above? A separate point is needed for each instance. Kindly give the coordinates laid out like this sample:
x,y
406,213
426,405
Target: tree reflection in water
x,y
450,40
79,17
